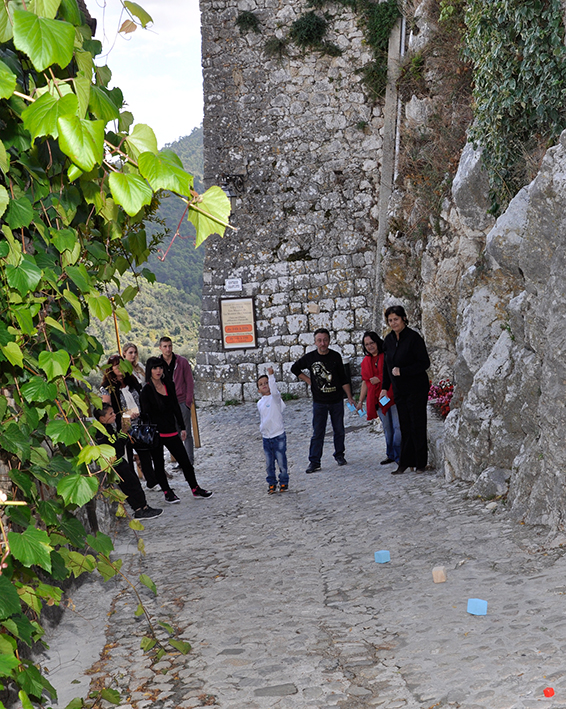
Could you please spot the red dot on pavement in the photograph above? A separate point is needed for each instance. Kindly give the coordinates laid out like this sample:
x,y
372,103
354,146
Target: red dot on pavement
x,y
549,692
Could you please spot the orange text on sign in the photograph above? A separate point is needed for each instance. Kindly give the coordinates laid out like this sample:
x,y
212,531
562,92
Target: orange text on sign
x,y
238,328
238,339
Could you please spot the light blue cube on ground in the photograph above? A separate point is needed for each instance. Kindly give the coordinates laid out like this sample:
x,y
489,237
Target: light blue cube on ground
x,y
477,607
382,556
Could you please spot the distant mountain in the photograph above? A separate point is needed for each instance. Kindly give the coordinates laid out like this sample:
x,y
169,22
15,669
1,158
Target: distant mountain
x,y
182,267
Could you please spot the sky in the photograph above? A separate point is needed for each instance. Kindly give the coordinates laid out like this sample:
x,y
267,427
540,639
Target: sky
x,y
158,69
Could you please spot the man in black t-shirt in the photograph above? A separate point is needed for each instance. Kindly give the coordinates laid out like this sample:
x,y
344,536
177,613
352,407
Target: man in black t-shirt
x,y
328,384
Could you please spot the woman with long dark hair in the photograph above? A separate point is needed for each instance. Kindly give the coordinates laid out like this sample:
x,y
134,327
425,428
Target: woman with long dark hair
x,y
372,379
159,402
406,362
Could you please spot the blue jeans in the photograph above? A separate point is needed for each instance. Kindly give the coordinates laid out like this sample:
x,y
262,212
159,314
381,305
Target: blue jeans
x,y
275,449
392,431
319,418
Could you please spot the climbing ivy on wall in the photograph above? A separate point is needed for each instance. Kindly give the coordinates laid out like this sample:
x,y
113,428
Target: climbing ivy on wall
x,y
518,55
77,180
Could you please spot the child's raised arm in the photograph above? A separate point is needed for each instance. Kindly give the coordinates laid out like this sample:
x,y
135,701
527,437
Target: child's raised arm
x,y
274,391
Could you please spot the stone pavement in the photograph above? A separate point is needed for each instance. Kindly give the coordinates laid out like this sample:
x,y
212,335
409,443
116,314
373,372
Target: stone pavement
x,y
284,605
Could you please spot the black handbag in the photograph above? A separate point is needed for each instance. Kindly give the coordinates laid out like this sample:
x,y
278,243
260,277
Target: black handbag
x,y
143,435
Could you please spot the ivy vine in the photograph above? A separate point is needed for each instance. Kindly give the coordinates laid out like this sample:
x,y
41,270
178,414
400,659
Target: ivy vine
x,y
77,180
518,55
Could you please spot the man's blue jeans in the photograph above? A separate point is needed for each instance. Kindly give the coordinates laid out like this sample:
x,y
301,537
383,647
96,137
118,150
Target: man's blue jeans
x,y
392,431
319,417
275,449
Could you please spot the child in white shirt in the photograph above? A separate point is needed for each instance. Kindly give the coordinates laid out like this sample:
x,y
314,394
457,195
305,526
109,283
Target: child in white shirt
x,y
271,427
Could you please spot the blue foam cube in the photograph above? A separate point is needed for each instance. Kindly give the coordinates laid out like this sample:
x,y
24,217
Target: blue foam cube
x,y
382,556
477,607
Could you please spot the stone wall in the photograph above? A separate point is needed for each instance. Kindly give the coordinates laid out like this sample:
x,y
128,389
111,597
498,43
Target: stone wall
x,y
305,139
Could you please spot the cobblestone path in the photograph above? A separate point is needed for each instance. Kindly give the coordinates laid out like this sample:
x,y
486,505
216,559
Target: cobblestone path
x,y
284,605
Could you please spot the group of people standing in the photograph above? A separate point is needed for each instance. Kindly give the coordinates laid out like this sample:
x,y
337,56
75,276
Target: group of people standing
x,y
162,393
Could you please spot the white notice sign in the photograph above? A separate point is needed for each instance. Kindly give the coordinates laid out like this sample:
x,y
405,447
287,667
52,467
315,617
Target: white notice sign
x,y
232,285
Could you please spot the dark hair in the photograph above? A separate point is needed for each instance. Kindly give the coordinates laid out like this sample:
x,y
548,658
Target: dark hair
x,y
110,379
262,376
99,413
152,363
397,310
165,339
321,331
376,338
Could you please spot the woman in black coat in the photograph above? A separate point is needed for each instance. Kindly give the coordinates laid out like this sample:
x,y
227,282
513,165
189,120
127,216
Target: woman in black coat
x,y
159,403
406,362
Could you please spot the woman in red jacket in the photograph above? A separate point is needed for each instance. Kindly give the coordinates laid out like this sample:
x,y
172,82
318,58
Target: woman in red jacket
x,y
372,378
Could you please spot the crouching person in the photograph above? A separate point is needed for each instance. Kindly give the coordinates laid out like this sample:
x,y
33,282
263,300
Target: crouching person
x,y
128,482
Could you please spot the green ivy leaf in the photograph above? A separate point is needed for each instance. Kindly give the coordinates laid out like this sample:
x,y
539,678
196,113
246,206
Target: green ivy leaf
x,y
31,547
90,453
138,12
45,41
99,306
73,301
4,200
215,205
25,700
139,610
54,364
183,647
80,277
37,389
25,277
7,664
100,543
31,682
130,191
63,239
144,578
16,441
165,172
136,525
61,431
20,213
101,103
9,599
78,563
13,354
77,489
4,160
7,81
147,643
82,140
107,569
5,23
141,140
110,695
40,117
82,84
168,628
44,8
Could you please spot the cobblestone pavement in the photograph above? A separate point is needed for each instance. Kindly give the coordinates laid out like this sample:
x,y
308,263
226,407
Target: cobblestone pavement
x,y
284,605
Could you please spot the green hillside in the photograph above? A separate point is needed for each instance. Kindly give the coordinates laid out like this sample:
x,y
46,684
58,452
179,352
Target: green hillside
x,y
157,310
182,267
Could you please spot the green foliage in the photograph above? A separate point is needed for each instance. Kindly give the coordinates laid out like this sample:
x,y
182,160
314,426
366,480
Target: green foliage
x,y
77,183
275,47
308,30
518,56
247,22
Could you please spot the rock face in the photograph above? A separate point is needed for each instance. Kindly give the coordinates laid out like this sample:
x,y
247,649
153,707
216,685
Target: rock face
x,y
510,369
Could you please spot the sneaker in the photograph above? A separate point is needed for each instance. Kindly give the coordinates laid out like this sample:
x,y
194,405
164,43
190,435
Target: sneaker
x,y
171,498
151,487
147,512
283,487
272,489
313,467
199,492
341,460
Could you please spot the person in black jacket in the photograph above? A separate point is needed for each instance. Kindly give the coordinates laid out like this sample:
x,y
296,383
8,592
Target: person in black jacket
x,y
328,385
129,482
406,362
159,403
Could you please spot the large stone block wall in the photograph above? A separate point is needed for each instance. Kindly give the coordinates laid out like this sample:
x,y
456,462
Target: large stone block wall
x,y
307,142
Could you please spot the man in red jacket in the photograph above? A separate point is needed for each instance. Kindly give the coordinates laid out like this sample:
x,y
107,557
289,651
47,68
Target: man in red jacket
x,y
178,370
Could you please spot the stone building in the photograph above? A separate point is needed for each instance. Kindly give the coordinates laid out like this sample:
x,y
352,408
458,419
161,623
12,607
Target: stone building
x,y
297,142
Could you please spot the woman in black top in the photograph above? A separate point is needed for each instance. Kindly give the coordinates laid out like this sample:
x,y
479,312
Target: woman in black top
x,y
406,362
159,403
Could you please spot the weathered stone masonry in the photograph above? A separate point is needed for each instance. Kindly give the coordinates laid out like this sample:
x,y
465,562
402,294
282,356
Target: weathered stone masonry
x,y
307,142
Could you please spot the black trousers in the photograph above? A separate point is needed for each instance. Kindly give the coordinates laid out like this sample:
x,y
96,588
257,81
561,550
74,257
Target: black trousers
x,y
130,485
175,446
412,420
